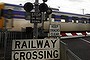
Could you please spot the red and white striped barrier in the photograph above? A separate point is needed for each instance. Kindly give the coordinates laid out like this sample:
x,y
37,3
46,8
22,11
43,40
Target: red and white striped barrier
x,y
74,34
71,35
88,33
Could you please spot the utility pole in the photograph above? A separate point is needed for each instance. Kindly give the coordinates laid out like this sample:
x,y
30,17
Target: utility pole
x,y
83,11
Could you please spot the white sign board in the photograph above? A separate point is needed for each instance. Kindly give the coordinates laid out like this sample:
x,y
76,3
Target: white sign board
x,y
54,30
36,49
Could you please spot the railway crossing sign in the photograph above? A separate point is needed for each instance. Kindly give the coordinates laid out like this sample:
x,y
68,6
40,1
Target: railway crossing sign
x,y
36,49
54,30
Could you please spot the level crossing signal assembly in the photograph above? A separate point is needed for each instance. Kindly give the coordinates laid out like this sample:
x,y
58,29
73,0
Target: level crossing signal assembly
x,y
28,7
43,7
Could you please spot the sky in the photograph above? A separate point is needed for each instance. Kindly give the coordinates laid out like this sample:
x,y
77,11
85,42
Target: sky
x,y
71,6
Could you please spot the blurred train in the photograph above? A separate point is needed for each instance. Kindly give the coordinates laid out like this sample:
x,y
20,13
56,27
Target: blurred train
x,y
69,22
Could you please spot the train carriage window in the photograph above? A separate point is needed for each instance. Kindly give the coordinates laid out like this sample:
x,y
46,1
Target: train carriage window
x,y
53,16
74,19
69,19
80,20
64,18
84,20
52,20
57,18
88,21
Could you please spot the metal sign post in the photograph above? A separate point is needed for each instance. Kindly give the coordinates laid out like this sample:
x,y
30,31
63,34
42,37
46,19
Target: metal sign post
x,y
42,22
35,31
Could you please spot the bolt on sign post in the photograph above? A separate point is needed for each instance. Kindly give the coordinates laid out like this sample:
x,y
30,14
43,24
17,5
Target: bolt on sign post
x,y
36,49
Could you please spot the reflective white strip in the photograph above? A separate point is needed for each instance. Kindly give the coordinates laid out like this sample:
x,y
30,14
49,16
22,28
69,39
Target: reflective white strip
x,y
60,35
79,33
69,34
88,33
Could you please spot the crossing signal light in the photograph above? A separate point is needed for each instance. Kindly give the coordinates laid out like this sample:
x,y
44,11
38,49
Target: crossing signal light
x,y
43,7
28,6
44,0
